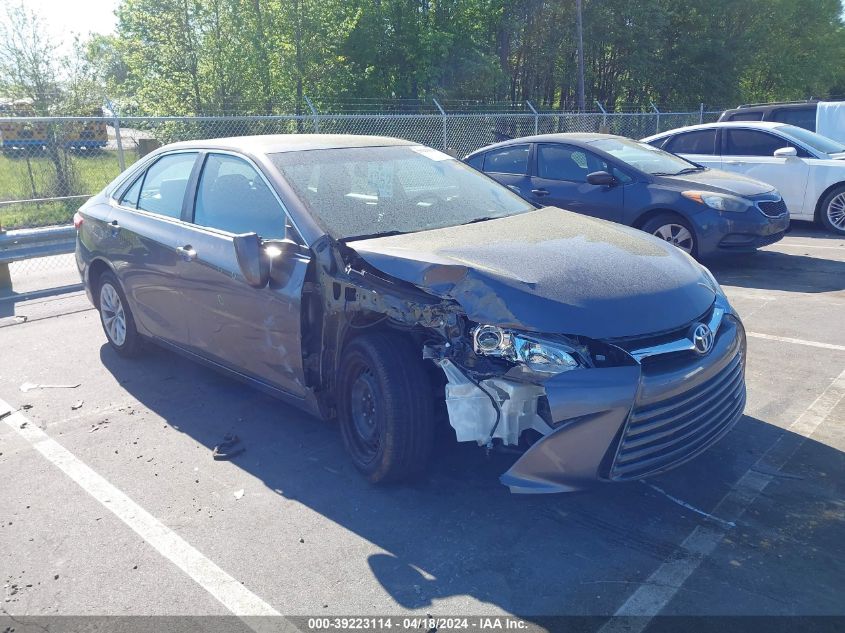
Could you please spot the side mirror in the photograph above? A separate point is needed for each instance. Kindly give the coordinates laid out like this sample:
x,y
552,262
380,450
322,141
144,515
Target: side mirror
x,y
281,257
601,178
252,259
786,152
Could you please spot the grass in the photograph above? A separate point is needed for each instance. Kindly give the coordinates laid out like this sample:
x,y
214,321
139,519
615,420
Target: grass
x,y
31,175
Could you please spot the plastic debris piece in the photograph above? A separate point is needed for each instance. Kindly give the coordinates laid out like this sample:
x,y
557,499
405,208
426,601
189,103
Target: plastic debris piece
x,y
76,405
227,449
239,493
30,386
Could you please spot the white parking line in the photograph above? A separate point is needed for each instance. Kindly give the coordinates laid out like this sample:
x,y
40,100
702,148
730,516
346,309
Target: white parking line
x,y
649,599
796,341
231,593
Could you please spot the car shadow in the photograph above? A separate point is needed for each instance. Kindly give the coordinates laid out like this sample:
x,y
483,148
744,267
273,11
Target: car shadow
x,y
458,532
773,270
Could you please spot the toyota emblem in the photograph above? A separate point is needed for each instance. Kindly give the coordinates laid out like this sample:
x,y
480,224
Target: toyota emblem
x,y
702,338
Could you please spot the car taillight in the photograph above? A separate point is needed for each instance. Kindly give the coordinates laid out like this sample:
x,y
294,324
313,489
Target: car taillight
x,y
77,220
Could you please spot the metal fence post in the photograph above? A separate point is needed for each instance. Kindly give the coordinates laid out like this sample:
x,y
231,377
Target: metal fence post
x,y
701,113
536,116
654,107
314,113
443,114
121,160
5,273
603,114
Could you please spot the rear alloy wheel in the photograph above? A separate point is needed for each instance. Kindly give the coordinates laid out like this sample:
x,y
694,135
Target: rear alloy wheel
x,y
116,317
673,229
384,403
832,211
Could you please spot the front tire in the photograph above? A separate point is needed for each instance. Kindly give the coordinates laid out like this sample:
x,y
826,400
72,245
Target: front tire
x,y
385,407
674,229
832,211
116,317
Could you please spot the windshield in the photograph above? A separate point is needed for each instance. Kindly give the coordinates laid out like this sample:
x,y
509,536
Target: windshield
x,y
812,140
644,157
367,191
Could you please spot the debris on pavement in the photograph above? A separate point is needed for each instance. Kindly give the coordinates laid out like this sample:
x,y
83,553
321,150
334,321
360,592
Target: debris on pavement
x,y
30,386
239,493
227,449
76,405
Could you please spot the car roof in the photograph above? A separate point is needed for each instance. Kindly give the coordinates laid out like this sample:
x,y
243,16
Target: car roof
x,y
761,125
276,143
574,138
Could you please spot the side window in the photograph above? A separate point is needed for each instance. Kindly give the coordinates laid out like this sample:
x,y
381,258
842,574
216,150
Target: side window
x,y
130,197
561,162
696,142
165,183
752,143
476,161
801,117
232,196
512,159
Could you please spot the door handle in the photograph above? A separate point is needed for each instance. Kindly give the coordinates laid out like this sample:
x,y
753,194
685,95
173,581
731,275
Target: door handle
x,y
115,227
540,192
734,162
187,252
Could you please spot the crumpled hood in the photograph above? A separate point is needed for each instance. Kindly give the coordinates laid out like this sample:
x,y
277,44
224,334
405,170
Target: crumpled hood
x,y
550,271
717,180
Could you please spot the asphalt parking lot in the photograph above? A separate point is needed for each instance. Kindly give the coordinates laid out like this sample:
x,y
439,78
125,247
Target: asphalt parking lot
x,y
111,503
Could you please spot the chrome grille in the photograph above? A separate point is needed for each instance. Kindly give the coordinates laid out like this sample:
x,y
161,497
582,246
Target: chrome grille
x,y
668,432
773,209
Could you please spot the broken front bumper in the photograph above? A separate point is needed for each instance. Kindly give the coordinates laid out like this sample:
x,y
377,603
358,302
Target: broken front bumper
x,y
624,423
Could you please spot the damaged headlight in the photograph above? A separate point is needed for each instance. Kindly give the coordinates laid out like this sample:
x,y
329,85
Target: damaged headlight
x,y
539,355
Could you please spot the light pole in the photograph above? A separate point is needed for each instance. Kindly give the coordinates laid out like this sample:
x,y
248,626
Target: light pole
x,y
580,29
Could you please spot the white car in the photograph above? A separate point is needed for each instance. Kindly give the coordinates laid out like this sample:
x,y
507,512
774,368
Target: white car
x,y
808,169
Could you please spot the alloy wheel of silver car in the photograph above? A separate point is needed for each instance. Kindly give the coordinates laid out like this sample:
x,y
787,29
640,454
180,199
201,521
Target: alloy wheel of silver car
x,y
836,212
676,234
113,314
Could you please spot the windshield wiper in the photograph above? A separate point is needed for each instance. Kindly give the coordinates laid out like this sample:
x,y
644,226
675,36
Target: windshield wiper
x,y
484,219
368,236
686,170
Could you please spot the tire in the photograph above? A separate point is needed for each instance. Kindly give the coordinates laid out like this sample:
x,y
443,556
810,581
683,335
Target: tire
x,y
116,317
674,229
385,407
832,211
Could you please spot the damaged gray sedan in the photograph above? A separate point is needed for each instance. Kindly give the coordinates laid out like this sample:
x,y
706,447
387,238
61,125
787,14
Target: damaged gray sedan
x,y
389,286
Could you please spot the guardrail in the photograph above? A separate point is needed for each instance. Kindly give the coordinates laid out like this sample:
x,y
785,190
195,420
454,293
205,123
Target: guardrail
x,y
22,244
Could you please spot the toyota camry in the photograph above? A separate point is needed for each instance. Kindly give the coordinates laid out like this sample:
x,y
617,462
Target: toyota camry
x,y
389,286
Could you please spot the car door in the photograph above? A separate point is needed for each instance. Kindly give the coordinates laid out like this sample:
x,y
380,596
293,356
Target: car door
x,y
560,180
751,153
255,331
509,166
699,146
144,233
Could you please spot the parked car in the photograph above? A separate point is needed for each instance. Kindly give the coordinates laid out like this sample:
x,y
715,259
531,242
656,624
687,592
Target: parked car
x,y
798,113
807,168
701,211
823,117
380,282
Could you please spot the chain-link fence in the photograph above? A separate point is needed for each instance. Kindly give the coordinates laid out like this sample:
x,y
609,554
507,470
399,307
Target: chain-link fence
x,y
50,165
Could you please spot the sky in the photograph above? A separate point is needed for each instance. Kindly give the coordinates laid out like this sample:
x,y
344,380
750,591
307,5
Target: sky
x,y
66,17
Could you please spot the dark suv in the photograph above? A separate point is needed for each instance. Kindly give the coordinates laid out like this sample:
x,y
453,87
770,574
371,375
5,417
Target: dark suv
x,y
800,113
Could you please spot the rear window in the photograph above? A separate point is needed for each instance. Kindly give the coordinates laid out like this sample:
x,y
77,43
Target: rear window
x,y
696,142
512,159
745,116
